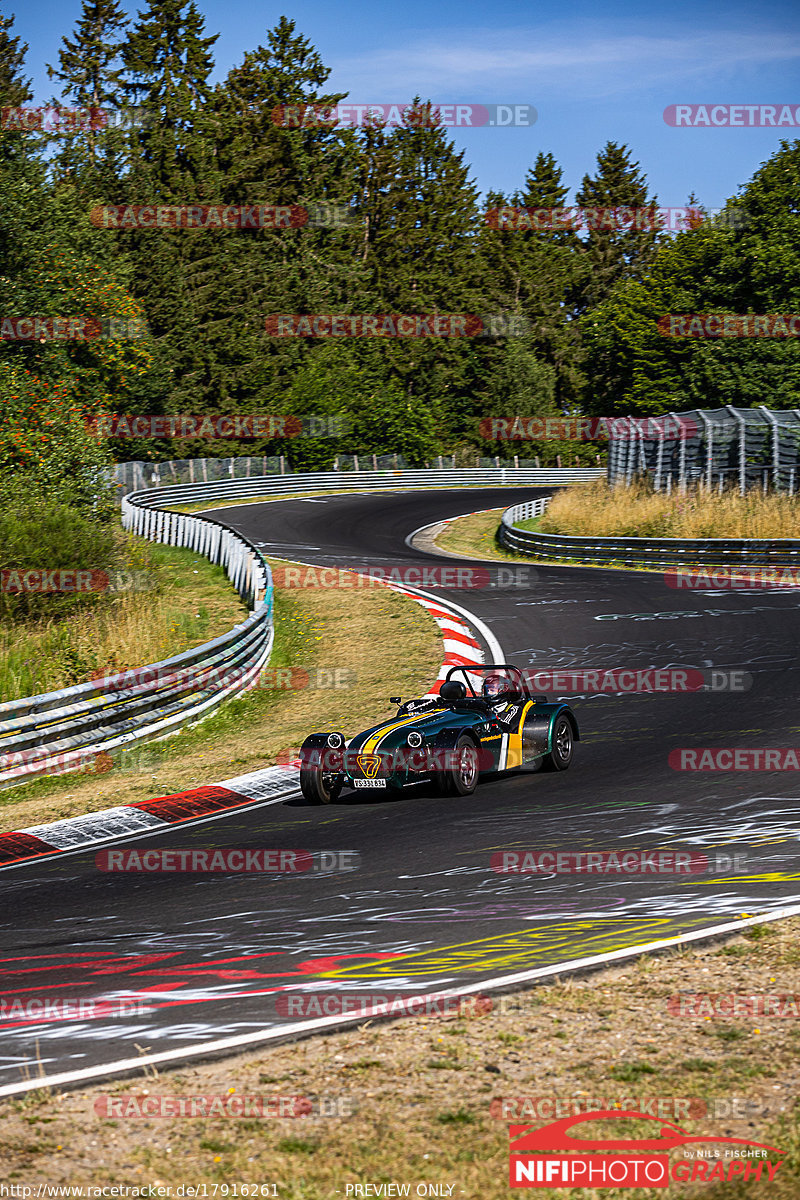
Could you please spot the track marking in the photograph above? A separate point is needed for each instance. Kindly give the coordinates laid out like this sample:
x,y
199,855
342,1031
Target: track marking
x,y
304,1029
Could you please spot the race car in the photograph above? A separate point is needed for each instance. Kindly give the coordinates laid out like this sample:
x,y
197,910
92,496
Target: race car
x,y
450,739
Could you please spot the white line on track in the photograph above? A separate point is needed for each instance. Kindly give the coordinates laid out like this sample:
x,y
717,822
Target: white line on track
x,y
305,1028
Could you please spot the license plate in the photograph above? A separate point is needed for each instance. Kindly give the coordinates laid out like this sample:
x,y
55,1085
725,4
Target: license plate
x,y
369,783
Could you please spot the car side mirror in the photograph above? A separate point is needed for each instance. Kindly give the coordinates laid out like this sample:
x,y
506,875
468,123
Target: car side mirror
x,y
395,699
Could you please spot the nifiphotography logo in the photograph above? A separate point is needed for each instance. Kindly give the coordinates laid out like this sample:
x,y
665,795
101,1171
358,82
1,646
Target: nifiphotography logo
x,y
629,1161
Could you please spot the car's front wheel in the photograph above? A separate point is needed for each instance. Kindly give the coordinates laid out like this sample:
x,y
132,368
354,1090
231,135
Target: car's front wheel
x,y
460,776
561,747
318,786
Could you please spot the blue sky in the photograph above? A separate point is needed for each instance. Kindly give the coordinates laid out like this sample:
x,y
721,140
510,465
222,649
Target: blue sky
x,y
594,73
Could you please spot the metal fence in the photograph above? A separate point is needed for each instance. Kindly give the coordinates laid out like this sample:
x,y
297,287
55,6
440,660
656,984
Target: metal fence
x,y
643,552
137,476
67,729
270,485
717,448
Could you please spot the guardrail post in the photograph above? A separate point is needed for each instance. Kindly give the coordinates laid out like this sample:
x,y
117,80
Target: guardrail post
x,y
776,458
742,448
709,447
660,457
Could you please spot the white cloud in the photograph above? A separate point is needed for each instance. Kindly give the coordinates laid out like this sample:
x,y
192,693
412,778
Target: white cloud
x,y
580,63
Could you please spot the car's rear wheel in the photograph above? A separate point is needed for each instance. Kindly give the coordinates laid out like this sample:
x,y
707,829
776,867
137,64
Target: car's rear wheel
x,y
561,749
460,777
318,786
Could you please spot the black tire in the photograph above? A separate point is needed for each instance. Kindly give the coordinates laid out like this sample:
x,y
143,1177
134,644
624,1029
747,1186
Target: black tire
x,y
461,778
560,756
318,786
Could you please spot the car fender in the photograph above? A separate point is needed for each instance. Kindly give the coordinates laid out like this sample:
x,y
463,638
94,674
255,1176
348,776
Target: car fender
x,y
315,753
446,739
537,733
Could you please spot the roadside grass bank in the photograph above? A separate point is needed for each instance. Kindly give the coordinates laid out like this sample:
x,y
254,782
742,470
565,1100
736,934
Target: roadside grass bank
x,y
475,536
380,642
421,1089
170,599
595,509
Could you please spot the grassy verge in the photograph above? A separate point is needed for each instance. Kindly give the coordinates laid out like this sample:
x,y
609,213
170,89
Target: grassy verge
x,y
475,536
185,601
594,509
317,630
420,1089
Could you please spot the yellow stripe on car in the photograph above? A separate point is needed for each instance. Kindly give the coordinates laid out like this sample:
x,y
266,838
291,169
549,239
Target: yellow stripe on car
x,y
514,756
374,740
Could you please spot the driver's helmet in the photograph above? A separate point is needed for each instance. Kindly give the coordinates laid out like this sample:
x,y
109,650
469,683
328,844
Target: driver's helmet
x,y
498,687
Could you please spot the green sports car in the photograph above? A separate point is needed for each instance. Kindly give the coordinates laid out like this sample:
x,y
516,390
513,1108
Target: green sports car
x,y
451,739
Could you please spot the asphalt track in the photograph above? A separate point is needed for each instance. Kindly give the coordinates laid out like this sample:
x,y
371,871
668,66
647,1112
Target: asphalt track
x,y
210,957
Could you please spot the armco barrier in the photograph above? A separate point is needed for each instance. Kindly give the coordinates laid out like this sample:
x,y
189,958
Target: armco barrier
x,y
62,731
326,481
643,552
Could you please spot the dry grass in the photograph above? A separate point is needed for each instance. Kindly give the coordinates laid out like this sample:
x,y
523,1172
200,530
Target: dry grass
x,y
475,536
315,628
636,511
421,1088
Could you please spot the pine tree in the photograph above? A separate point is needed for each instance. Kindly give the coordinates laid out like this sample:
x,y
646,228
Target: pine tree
x,y
419,210
90,77
167,63
545,190
236,278
540,273
616,249
14,88
22,191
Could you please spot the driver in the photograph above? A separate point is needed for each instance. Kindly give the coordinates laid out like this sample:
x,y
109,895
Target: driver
x,y
502,695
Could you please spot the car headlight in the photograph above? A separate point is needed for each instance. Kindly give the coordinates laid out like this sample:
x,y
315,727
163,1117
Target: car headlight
x,y
414,739
335,741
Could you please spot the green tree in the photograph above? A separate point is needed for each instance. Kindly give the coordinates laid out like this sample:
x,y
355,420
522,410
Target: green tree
x,y
615,249
716,267
92,150
539,273
15,89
